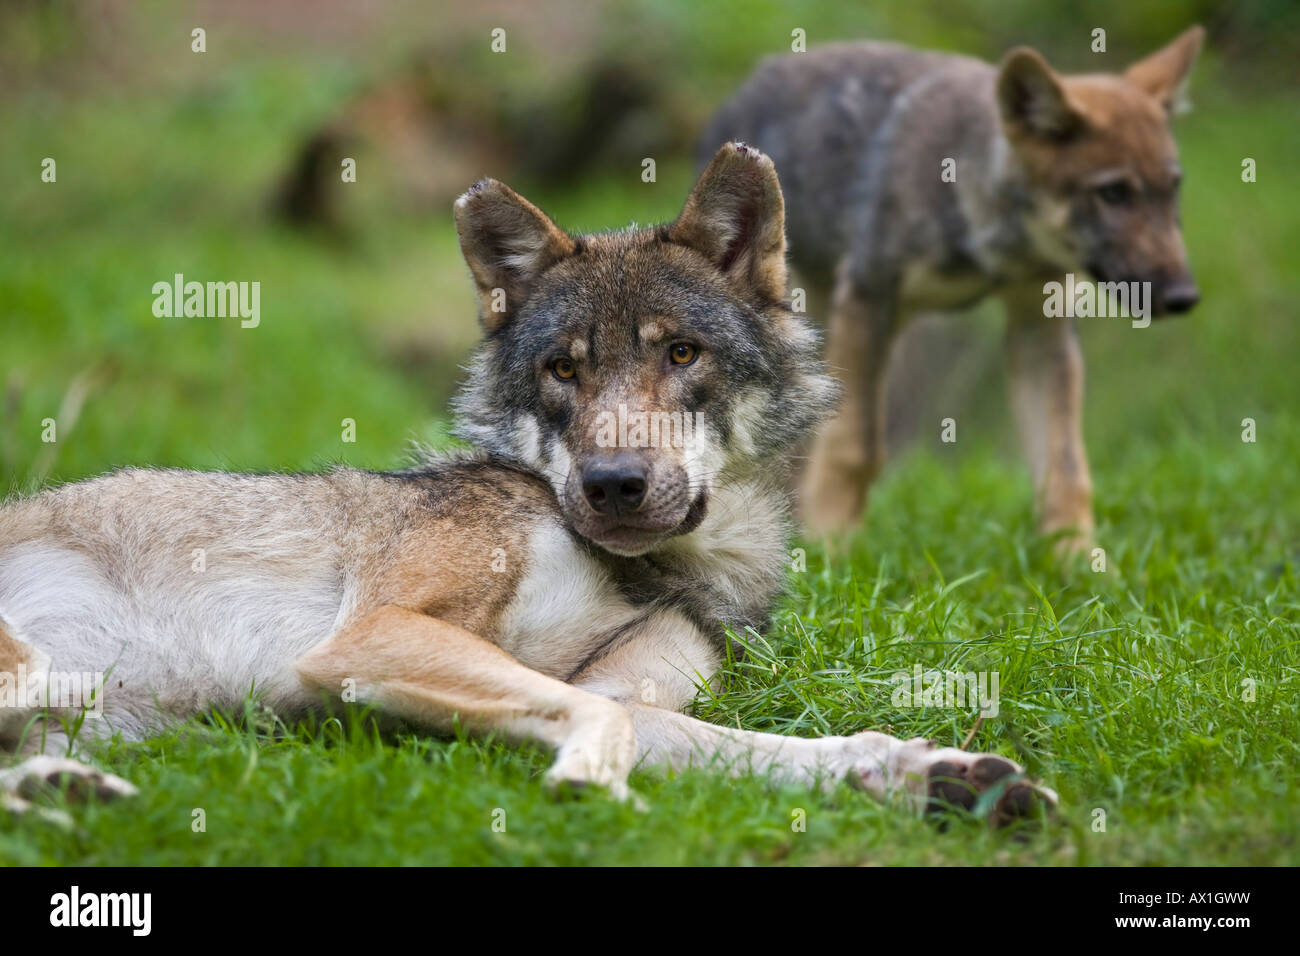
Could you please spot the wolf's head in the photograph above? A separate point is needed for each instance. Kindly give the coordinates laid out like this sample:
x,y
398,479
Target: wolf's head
x,y
1102,166
639,370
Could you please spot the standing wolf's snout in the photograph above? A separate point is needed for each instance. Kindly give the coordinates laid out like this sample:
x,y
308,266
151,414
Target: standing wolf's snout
x,y
1181,296
615,485
1173,290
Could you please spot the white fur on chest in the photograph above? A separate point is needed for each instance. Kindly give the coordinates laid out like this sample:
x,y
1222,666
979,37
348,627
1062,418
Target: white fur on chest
x,y
563,608
740,549
568,605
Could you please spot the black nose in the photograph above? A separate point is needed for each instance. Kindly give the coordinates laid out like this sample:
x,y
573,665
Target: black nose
x,y
614,485
1181,298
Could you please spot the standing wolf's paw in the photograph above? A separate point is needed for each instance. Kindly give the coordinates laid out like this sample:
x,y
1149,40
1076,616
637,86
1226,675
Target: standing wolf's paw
x,y
45,774
1070,545
942,779
1070,533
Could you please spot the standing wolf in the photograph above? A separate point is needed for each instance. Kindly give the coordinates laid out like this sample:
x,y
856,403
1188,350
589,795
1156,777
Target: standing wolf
x,y
568,584
1053,175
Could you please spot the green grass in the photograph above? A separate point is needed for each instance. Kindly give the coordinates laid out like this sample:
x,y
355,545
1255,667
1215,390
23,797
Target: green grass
x,y
1124,690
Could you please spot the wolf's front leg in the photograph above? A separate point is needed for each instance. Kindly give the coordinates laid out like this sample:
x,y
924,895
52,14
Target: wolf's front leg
x,y
432,672
934,778
1045,372
656,674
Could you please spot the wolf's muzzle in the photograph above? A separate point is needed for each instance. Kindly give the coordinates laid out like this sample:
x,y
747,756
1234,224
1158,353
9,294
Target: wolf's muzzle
x,y
1180,298
615,485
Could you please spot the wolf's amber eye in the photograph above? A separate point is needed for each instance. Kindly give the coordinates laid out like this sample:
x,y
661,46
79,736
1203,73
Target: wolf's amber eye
x,y
682,354
564,368
1116,194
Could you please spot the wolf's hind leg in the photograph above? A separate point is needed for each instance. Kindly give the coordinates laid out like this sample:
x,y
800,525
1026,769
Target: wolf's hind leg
x,y
849,451
1045,374
49,769
43,773
432,672
19,663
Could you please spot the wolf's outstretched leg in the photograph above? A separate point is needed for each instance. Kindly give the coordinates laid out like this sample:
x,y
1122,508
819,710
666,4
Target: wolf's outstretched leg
x,y
849,451
431,672
933,778
655,675
1045,373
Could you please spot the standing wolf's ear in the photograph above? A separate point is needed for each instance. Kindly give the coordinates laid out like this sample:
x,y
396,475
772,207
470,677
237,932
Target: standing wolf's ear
x,y
507,243
735,217
1164,73
1032,98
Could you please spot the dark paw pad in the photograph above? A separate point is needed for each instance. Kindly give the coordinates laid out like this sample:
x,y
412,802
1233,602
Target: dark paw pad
x,y
989,770
1022,800
80,787
570,789
948,788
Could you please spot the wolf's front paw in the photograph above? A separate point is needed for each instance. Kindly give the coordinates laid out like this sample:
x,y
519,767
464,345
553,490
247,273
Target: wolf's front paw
x,y
944,778
963,780
955,779
599,752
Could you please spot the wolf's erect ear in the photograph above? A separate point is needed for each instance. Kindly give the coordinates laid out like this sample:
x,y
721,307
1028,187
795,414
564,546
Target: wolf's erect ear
x,y
507,243
735,217
1032,98
1164,73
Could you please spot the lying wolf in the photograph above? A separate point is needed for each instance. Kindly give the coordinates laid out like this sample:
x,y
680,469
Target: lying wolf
x,y
921,181
567,584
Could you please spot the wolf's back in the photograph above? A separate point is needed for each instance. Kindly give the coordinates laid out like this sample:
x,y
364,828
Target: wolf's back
x,y
828,118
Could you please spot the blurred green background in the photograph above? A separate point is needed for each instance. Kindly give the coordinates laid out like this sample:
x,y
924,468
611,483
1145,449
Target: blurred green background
x,y
224,166
1122,690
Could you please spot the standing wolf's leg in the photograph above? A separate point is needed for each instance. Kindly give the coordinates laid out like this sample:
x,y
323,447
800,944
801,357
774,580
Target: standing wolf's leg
x,y
1045,373
849,451
430,672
